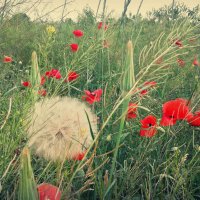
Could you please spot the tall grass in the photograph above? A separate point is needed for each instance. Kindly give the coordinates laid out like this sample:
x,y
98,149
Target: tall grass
x,y
119,164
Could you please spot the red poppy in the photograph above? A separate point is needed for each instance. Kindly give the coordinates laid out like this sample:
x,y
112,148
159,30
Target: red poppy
x,y
42,92
43,80
26,84
181,62
74,47
174,110
55,73
148,128
195,62
92,97
195,119
132,108
78,33
143,93
72,76
79,156
178,43
48,191
150,83
7,59
101,24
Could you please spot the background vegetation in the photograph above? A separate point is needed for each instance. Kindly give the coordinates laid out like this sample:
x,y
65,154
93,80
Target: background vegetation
x,y
166,166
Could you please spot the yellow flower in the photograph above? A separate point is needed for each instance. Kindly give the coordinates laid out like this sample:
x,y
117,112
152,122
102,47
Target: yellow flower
x,y
108,138
50,30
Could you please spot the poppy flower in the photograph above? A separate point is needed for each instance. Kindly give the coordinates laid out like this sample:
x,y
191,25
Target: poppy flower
x,y
72,76
195,119
132,108
174,110
7,59
148,128
42,92
178,43
78,33
92,97
150,83
101,24
48,191
143,93
195,62
43,80
79,156
26,84
181,62
74,47
55,73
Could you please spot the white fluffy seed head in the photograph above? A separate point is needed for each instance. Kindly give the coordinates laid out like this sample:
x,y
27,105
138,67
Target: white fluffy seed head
x,y
59,128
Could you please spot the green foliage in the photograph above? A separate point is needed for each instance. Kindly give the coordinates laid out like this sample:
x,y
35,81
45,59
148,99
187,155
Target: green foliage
x,y
120,164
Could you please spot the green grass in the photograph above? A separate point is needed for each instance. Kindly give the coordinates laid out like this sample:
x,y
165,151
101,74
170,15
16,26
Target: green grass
x,y
126,166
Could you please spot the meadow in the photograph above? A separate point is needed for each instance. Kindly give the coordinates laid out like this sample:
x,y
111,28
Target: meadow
x,y
140,80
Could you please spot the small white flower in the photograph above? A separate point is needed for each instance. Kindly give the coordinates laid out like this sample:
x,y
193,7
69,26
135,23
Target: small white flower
x,y
174,148
184,158
156,20
59,128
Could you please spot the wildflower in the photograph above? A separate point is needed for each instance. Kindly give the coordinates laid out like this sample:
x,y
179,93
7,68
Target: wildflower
x,y
143,93
78,33
74,47
195,119
148,128
184,158
101,24
79,156
50,30
150,83
181,62
174,148
55,73
72,76
174,110
7,59
26,84
47,191
108,138
42,92
132,108
195,62
43,80
92,97
178,43
56,128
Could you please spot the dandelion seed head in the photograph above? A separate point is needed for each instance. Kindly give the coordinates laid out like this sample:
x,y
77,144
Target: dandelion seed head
x,y
59,128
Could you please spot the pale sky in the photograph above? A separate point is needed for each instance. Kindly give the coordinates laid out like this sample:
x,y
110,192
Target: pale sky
x,y
76,6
